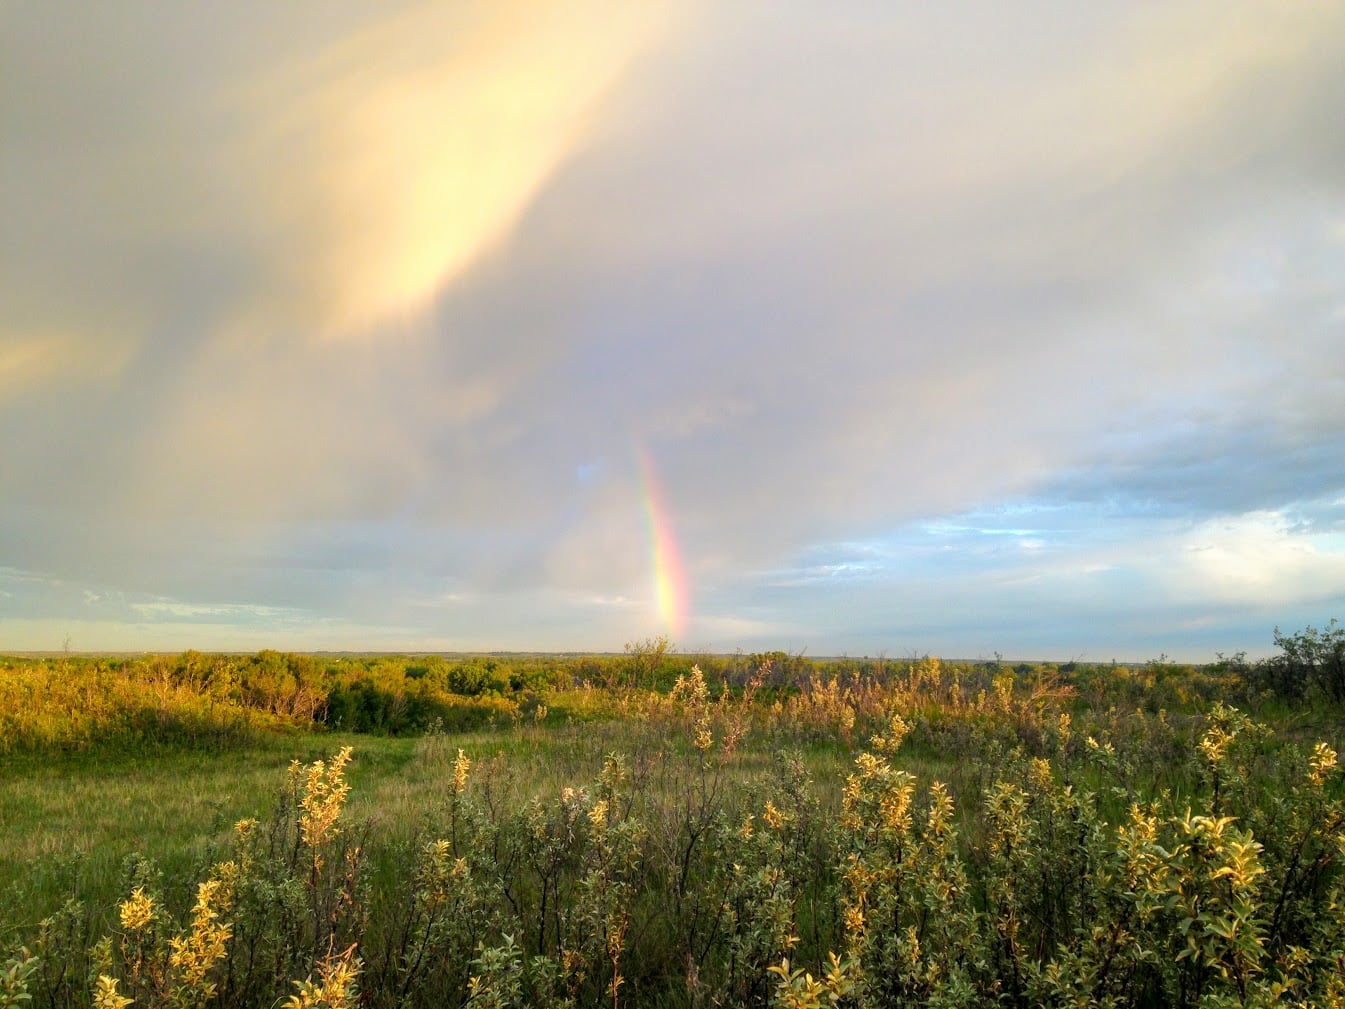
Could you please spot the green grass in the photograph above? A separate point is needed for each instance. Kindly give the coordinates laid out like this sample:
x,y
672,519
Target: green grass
x,y
67,823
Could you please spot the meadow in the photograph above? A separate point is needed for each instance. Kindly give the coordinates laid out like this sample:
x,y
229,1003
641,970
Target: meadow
x,y
656,829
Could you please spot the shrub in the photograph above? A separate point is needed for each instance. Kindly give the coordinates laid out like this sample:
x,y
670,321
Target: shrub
x,y
1311,665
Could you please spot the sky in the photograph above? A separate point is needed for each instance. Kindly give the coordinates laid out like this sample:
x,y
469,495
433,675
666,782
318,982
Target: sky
x,y
873,328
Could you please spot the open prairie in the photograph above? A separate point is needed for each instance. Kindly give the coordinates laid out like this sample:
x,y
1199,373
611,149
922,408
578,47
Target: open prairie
x,y
660,830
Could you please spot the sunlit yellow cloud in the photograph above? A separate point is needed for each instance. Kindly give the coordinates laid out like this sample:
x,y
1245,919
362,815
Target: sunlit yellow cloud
x,y
26,360
29,362
253,173
392,161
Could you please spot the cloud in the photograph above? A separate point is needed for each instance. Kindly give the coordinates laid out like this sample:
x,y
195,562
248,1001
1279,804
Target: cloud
x,y
349,314
256,192
1256,559
981,317
37,360
324,187
398,156
1086,581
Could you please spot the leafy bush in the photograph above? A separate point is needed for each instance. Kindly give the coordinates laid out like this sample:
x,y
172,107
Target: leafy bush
x,y
1311,665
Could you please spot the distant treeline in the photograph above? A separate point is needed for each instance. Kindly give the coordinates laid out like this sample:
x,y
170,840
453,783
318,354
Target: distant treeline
x,y
199,699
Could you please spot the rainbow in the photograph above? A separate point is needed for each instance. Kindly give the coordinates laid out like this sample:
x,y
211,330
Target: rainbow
x,y
670,584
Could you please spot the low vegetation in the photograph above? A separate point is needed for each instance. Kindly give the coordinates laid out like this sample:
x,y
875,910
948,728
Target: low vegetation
x,y
661,830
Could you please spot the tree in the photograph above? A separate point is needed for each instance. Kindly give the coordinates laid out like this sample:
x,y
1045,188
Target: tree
x,y
644,660
1311,663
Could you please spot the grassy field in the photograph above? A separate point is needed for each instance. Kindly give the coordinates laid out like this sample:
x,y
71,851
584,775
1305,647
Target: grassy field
x,y
921,833
68,822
